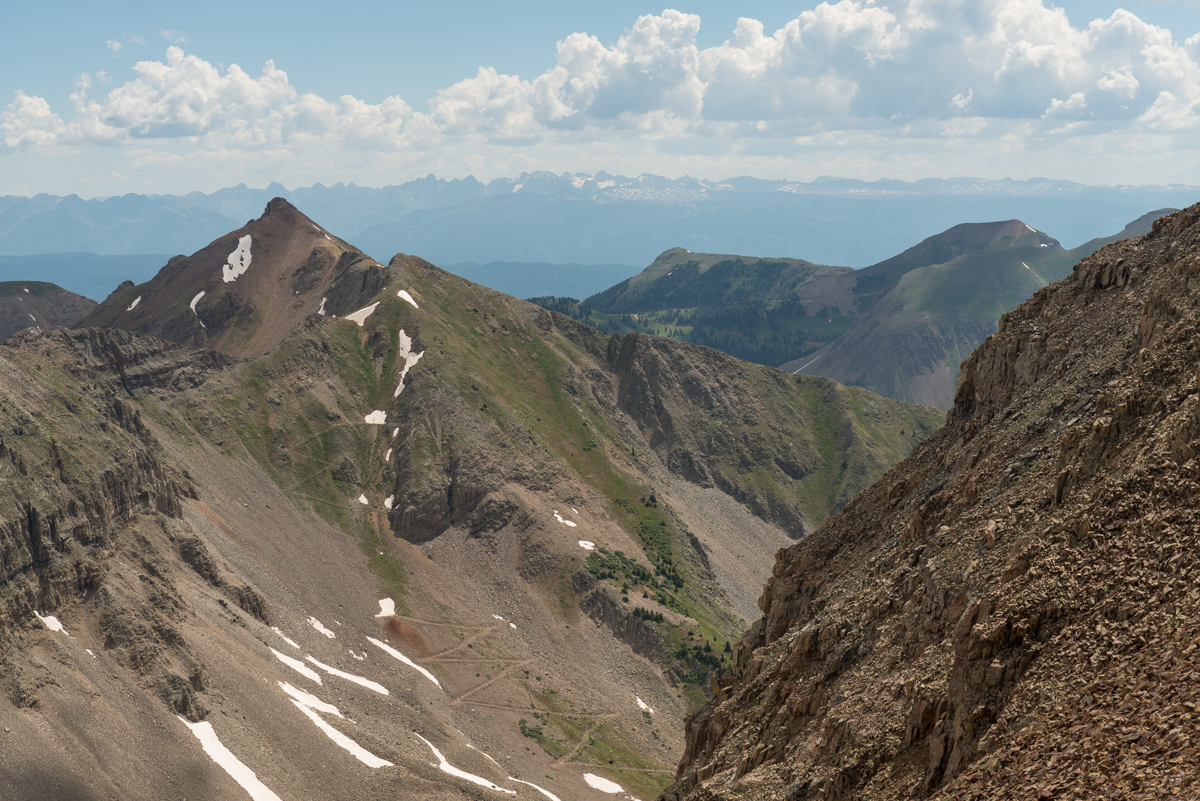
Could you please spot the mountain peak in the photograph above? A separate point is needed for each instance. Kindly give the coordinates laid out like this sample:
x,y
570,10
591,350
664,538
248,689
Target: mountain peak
x,y
278,205
248,290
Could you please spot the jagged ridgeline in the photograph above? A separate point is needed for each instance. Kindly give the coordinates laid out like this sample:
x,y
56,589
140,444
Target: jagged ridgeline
x,y
1011,612
298,507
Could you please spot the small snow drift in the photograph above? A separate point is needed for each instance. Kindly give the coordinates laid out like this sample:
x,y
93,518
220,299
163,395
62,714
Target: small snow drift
x,y
362,314
319,626
389,500
321,311
308,699
363,500
562,520
587,545
52,623
602,784
238,261
643,706
228,762
376,418
393,652
410,360
359,680
445,767
298,666
357,751
544,792
403,295
284,637
387,607
133,305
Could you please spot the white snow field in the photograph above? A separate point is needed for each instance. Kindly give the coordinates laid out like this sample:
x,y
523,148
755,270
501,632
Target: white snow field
x,y
403,295
445,767
544,792
563,520
238,261
359,680
319,626
298,666
587,545
361,754
602,784
642,705
362,314
393,652
218,753
410,360
363,500
133,305
284,637
196,300
376,418
52,623
321,311
387,607
308,699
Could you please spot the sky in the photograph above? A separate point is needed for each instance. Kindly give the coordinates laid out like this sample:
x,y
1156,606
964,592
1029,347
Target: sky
x,y
103,99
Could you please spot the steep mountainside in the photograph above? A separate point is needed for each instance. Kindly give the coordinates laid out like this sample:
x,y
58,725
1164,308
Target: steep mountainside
x,y
249,289
453,547
1011,611
921,313
37,304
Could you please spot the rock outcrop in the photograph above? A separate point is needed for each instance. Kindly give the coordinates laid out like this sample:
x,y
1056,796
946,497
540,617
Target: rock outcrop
x,y
1011,611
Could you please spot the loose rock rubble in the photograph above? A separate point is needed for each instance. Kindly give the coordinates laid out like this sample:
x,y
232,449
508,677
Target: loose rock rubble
x,y
1011,612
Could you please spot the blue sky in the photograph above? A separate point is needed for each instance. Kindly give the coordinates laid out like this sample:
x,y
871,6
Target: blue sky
x,y
380,93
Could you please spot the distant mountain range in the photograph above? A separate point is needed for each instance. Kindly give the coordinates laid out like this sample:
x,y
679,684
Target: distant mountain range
x,y
899,327
586,219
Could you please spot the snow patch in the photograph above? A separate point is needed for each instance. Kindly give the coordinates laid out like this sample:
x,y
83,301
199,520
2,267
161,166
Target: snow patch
x,y
52,623
602,784
512,625
497,617
133,305
410,360
587,545
196,300
363,500
89,653
560,519
238,261
356,656
395,432
25,290
308,699
31,317
359,680
357,751
376,418
228,762
387,457
387,607
362,314
544,792
1030,227
445,767
403,295
316,624
494,762
284,637
321,311
574,510
393,652
298,666
642,705
389,500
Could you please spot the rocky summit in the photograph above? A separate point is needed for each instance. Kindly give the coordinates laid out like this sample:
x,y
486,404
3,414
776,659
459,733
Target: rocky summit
x,y
432,543
38,304
1011,611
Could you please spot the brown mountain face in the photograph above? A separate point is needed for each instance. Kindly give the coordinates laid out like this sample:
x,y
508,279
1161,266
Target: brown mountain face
x,y
453,547
1011,611
921,313
245,292
37,304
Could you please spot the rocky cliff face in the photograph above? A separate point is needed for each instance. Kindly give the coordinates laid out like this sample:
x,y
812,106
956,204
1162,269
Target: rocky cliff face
x,y
1009,612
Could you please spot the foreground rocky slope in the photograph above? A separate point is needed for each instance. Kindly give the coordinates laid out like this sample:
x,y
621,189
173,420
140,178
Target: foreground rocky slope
x,y
1011,611
37,304
444,545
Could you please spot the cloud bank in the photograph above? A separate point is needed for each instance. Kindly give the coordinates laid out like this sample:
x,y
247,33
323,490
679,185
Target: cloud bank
x,y
1008,74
